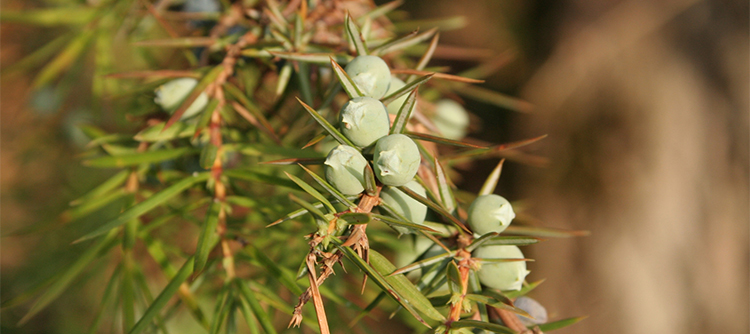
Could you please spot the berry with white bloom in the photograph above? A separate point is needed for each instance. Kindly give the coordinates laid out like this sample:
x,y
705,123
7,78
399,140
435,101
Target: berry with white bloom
x,y
501,275
451,119
490,213
371,75
396,160
364,120
171,94
533,308
344,168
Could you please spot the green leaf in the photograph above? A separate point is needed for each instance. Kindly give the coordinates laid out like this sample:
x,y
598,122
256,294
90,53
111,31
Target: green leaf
x,y
284,76
550,326
137,159
379,11
127,292
422,263
75,15
404,42
381,281
354,36
253,176
440,140
403,223
445,24
208,155
347,83
427,56
305,86
147,205
277,17
493,239
524,290
371,186
221,308
263,123
309,207
436,207
444,187
482,325
37,57
310,190
264,150
208,237
402,118
491,183
296,161
180,42
111,183
300,212
357,217
205,118
403,286
496,303
406,89
248,299
327,126
544,232
105,298
156,250
493,149
64,59
274,270
313,58
368,309
91,206
61,282
331,189
164,297
157,133
494,98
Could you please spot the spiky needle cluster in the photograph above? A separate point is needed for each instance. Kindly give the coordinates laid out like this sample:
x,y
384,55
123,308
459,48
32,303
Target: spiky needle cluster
x,y
264,81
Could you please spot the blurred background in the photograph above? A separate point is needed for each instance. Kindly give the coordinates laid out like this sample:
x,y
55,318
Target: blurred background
x,y
646,107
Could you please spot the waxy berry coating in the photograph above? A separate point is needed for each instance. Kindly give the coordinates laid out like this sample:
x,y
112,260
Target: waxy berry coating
x,y
501,275
451,119
364,120
371,75
490,213
345,168
396,160
171,94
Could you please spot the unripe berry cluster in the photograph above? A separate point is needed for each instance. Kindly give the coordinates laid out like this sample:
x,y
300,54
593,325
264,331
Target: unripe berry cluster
x,y
365,122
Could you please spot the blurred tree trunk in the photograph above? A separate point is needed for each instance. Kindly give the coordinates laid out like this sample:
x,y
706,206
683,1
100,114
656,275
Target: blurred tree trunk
x,y
646,106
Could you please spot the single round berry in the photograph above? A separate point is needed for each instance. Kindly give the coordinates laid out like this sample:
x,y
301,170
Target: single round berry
x,y
404,205
371,75
533,308
396,160
451,119
395,106
345,168
490,213
364,120
501,275
171,94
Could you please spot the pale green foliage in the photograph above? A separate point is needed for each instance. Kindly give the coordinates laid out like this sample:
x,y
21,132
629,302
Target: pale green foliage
x,y
209,223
